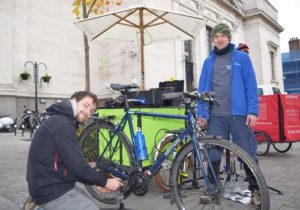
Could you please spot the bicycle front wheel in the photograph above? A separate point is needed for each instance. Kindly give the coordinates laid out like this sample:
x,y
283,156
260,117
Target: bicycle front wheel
x,y
230,190
96,141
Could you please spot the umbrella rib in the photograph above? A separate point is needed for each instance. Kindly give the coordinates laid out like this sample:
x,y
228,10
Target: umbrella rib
x,y
115,23
157,18
130,23
170,23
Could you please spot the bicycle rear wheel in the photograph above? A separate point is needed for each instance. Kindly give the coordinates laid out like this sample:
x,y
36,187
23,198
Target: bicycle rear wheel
x,y
231,190
162,177
118,154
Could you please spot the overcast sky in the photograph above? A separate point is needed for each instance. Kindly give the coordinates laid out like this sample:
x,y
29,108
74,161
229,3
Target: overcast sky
x,y
289,19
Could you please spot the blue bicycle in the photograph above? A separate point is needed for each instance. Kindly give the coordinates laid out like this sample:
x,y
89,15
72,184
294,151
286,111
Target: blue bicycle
x,y
207,172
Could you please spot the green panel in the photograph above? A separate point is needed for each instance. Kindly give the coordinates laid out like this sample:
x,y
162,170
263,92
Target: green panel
x,y
152,127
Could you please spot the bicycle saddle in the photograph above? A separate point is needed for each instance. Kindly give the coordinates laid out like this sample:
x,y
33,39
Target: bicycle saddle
x,y
118,87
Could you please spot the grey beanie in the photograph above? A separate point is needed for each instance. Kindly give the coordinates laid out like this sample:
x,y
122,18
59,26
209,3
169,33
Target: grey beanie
x,y
221,28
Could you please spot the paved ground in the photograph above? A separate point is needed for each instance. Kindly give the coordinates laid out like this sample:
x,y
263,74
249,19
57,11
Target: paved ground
x,y
282,171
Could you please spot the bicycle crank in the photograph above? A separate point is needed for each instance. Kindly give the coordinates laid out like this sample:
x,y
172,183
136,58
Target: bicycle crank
x,y
138,183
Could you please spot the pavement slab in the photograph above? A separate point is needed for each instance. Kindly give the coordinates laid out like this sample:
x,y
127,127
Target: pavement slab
x,y
281,170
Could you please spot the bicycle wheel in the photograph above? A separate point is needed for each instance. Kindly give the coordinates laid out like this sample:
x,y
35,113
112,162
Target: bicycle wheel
x,y
35,126
230,191
263,143
162,177
282,147
93,140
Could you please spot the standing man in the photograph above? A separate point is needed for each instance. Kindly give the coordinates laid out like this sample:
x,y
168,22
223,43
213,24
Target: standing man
x,y
229,73
55,160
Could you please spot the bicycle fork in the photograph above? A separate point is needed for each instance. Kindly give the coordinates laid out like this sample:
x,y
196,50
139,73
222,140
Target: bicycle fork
x,y
210,167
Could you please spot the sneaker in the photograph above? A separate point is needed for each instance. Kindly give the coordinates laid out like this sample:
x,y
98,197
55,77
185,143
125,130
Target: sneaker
x,y
29,205
256,199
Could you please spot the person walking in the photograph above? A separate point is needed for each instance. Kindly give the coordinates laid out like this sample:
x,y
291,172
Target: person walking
x,y
56,163
229,73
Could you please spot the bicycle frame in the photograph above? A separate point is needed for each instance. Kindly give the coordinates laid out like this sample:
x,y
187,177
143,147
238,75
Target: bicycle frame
x,y
190,129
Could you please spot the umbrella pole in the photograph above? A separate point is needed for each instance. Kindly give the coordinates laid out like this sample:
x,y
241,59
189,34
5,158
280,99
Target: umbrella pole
x,y
142,49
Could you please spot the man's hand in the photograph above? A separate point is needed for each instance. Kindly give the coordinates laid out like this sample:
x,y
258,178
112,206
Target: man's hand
x,y
251,120
202,122
112,184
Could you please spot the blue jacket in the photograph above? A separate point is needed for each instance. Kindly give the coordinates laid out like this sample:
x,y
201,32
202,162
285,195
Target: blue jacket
x,y
244,94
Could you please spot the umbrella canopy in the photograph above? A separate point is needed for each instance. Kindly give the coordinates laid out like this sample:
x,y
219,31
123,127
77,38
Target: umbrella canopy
x,y
142,25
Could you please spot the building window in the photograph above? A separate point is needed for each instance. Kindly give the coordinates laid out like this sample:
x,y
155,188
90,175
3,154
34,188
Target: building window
x,y
273,47
273,72
188,50
189,66
208,40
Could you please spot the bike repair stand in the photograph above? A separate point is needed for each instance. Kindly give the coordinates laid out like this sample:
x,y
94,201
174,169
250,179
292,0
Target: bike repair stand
x,y
119,202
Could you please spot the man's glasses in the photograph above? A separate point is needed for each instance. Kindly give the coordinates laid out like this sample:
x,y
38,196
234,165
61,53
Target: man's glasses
x,y
88,106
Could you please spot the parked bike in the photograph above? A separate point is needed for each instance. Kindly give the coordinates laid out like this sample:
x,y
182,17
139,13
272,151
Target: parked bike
x,y
23,122
6,123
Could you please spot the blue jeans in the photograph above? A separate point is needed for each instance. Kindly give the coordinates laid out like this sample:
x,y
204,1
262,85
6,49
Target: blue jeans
x,y
242,135
235,127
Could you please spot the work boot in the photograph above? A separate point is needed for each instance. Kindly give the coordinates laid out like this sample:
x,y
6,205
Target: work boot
x,y
256,199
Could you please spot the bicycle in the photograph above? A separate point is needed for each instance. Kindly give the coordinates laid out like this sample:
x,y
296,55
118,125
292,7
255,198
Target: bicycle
x,y
195,178
30,120
24,122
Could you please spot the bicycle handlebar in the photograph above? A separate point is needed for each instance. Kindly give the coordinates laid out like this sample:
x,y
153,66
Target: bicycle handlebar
x,y
205,96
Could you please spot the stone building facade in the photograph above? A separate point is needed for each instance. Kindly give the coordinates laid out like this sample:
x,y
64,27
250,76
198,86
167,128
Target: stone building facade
x,y
43,32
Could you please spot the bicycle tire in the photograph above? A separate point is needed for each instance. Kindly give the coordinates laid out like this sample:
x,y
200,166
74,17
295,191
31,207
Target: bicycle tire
x,y
35,126
92,149
263,143
283,149
162,177
190,197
